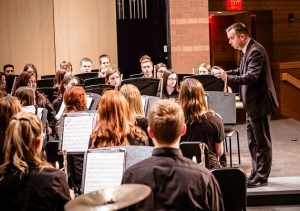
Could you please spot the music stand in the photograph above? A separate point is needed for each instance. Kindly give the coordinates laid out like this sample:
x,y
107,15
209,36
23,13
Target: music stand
x,y
10,81
83,76
103,168
45,82
94,81
98,89
181,76
138,75
147,86
47,76
47,91
95,71
209,82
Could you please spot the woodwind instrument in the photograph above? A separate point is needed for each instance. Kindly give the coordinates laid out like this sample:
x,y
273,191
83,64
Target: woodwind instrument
x,y
65,168
202,149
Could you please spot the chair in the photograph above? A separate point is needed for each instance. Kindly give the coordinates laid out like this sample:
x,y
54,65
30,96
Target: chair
x,y
46,82
224,104
232,183
196,150
147,86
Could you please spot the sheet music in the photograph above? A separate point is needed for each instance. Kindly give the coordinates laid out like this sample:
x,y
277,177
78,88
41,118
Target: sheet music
x,y
144,98
88,98
103,170
77,131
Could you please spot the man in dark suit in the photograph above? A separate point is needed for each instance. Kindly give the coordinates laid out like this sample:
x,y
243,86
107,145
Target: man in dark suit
x,y
259,98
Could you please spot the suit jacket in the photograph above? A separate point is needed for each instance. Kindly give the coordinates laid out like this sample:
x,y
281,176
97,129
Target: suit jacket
x,y
256,84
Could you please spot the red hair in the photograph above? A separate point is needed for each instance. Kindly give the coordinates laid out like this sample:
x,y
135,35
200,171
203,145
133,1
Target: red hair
x,y
74,99
114,123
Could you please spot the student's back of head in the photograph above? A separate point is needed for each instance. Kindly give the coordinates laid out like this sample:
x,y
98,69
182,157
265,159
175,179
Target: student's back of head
x,y
166,122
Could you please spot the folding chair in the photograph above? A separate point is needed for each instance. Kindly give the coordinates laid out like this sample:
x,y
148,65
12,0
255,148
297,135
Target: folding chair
x,y
232,183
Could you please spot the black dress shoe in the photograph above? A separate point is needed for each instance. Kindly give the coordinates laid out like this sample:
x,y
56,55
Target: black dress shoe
x,y
257,182
251,176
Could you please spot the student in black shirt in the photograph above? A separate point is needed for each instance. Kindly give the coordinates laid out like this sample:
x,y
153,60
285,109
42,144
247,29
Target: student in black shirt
x,y
177,182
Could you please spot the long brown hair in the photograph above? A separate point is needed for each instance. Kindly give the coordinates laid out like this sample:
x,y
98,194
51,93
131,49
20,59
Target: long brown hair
x,y
192,100
133,97
25,95
114,122
74,99
21,144
9,106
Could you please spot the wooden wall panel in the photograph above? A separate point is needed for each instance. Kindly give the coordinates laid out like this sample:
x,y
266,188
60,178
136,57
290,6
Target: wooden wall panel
x,y
85,28
27,34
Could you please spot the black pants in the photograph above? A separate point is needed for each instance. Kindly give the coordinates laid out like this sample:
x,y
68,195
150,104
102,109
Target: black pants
x,y
260,145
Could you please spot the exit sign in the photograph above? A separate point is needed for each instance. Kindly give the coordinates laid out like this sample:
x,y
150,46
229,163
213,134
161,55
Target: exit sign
x,y
234,4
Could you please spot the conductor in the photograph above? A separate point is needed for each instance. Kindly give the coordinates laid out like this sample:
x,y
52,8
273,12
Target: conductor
x,y
258,96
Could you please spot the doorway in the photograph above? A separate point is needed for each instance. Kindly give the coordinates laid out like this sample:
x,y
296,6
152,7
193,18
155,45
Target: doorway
x,y
142,28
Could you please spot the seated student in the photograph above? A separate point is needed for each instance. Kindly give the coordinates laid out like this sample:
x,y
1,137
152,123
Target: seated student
x,y
202,124
31,68
204,69
59,77
104,61
114,126
9,106
85,65
8,69
2,85
160,68
28,182
134,99
147,68
177,182
67,82
170,85
113,77
74,99
28,78
66,66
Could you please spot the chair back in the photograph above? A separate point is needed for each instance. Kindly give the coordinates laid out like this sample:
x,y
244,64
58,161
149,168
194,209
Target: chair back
x,y
196,151
232,183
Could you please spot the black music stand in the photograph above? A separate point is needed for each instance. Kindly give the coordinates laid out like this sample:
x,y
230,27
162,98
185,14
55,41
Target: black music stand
x,y
98,89
45,82
138,75
47,76
95,71
10,80
84,76
147,86
94,81
209,82
47,91
182,76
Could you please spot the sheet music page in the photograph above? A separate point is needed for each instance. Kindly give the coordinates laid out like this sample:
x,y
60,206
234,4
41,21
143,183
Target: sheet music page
x,y
103,170
76,132
89,100
144,102
61,110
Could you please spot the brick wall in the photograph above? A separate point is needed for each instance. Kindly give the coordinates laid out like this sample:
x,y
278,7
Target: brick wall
x,y
189,34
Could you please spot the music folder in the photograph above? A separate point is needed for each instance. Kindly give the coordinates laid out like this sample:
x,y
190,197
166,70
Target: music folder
x,y
147,86
209,82
103,168
75,132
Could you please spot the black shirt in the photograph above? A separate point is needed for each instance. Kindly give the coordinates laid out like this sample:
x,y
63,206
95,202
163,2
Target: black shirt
x,y
40,190
177,183
209,131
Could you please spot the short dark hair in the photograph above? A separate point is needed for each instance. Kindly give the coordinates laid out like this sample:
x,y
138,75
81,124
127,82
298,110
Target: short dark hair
x,y
239,28
6,66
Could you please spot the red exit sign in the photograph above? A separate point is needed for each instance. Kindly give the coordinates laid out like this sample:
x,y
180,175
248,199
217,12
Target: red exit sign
x,y
234,4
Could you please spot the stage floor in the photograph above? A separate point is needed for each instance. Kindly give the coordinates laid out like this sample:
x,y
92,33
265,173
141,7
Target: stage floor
x,y
285,134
